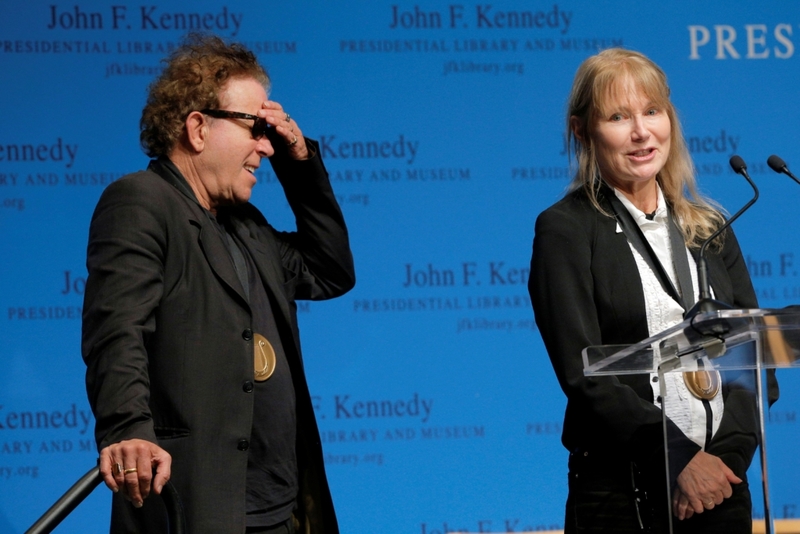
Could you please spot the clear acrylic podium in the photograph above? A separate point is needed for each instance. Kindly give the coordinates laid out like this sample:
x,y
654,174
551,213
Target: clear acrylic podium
x,y
722,340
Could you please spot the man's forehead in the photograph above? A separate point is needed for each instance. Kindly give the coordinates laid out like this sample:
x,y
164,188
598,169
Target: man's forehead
x,y
241,90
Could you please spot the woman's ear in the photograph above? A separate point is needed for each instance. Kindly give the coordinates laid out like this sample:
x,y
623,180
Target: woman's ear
x,y
577,127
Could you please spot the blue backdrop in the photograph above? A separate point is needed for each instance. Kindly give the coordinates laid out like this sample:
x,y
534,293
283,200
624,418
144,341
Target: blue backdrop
x,y
441,124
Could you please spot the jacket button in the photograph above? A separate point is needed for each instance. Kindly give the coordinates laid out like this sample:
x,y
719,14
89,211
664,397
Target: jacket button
x,y
247,387
243,445
247,335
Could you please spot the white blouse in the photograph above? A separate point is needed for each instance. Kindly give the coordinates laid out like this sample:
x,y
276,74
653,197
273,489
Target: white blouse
x,y
683,408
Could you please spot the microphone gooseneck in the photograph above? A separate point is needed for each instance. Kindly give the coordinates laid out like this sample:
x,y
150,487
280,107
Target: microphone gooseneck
x,y
778,165
705,303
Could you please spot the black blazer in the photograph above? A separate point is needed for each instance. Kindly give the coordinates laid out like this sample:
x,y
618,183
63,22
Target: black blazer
x,y
167,339
586,290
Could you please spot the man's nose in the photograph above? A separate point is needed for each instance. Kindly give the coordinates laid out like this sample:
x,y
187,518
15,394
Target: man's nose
x,y
264,147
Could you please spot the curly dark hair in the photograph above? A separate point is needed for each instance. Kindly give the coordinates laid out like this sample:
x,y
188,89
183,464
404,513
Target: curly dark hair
x,y
193,76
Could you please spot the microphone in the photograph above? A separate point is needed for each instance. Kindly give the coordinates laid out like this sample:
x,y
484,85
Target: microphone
x,y
705,303
778,165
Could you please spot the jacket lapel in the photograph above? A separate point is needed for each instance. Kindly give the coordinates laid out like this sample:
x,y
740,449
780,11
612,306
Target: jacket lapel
x,y
209,238
218,256
264,253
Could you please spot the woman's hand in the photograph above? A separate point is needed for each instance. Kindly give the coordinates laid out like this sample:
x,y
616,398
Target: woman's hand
x,y
704,483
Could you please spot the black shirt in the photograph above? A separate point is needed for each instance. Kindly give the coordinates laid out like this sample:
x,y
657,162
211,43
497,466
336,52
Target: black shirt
x,y
272,480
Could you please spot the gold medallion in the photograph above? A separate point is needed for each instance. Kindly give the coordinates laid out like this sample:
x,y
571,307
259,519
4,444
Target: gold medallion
x,y
702,384
264,360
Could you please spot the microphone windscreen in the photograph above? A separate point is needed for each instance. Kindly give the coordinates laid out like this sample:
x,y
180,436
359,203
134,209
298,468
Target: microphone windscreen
x,y
776,163
737,163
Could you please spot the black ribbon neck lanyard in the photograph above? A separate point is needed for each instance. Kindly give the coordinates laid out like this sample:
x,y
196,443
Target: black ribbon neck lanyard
x,y
684,293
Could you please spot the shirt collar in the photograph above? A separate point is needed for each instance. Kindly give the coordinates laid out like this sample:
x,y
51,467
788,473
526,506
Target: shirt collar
x,y
638,215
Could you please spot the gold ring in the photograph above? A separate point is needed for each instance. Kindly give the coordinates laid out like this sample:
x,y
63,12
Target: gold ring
x,y
116,469
293,142
130,470
287,118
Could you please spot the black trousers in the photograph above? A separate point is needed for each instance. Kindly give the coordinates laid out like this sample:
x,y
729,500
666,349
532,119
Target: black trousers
x,y
603,498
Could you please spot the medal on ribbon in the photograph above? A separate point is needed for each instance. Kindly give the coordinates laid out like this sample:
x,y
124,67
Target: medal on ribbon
x,y
264,359
702,384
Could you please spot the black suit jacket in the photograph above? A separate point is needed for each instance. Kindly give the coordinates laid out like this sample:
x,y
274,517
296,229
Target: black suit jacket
x,y
586,290
167,334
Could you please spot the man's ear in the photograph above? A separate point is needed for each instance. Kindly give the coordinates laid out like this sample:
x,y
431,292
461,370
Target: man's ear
x,y
196,130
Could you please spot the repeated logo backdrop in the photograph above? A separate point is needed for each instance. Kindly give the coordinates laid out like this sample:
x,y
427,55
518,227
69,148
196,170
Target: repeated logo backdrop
x,y
441,124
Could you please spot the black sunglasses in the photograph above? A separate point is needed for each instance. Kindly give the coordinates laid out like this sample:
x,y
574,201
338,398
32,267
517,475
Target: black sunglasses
x,y
261,128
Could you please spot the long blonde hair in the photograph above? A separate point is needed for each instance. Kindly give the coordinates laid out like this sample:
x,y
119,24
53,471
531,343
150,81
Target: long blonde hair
x,y
596,79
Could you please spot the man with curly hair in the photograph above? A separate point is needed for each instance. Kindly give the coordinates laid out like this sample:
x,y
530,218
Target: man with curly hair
x,y
190,338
